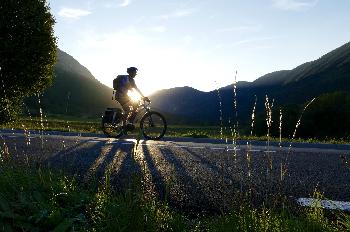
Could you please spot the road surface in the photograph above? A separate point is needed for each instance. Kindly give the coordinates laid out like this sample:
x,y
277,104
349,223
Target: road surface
x,y
194,175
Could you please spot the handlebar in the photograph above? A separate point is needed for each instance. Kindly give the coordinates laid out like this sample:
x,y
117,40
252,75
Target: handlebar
x,y
145,102
146,99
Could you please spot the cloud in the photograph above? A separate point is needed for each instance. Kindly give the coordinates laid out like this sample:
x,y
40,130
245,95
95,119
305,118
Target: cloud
x,y
253,40
250,41
177,14
157,29
253,28
187,39
125,3
73,13
113,4
294,4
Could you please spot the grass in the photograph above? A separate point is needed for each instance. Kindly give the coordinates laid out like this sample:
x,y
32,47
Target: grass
x,y
53,124
35,198
39,199
94,126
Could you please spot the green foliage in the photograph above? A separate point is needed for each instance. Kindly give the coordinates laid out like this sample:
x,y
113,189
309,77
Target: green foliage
x,y
37,199
34,199
290,116
248,219
328,117
68,125
27,52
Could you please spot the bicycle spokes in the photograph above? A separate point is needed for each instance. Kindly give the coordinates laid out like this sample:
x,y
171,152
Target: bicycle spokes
x,y
153,125
150,121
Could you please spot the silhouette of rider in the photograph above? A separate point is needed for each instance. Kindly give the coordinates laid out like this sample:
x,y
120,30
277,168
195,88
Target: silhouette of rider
x,y
124,84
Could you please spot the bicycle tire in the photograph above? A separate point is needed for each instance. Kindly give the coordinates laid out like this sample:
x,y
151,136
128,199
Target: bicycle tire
x,y
112,132
163,125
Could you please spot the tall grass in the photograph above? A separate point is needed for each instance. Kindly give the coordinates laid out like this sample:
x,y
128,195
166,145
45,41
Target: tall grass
x,y
250,219
38,199
34,198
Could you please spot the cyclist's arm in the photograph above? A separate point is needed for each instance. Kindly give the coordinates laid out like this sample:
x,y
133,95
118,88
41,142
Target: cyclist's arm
x,y
137,89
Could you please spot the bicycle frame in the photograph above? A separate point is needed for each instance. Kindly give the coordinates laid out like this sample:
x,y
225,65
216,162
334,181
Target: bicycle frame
x,y
143,106
145,116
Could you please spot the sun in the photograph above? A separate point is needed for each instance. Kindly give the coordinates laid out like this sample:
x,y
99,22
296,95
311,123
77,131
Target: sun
x,y
134,96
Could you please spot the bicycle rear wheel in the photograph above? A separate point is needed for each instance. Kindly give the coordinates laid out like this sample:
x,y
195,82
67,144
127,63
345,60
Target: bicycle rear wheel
x,y
112,129
153,125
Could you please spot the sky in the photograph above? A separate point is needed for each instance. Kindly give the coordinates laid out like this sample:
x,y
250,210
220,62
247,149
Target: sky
x,y
197,43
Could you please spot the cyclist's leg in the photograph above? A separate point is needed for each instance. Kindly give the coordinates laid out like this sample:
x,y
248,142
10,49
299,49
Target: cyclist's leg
x,y
129,109
133,108
124,104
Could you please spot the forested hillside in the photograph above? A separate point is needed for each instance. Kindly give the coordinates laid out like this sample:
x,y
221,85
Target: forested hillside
x,y
327,79
75,91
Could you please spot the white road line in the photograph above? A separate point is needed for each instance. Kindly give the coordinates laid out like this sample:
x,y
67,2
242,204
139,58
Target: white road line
x,y
234,149
218,148
146,145
181,146
112,142
127,143
326,204
12,136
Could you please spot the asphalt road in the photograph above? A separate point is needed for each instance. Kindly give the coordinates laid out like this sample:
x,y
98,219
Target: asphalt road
x,y
194,175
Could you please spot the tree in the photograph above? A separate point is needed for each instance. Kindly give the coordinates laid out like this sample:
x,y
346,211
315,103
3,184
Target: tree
x,y
27,52
328,117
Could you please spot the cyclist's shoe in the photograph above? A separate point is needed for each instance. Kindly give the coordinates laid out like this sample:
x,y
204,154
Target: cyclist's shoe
x,y
129,127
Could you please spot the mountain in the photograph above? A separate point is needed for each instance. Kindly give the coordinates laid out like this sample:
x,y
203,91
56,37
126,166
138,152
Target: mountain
x,y
329,73
74,86
75,91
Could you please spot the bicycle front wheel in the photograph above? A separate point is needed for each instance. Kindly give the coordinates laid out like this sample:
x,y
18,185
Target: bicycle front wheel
x,y
153,125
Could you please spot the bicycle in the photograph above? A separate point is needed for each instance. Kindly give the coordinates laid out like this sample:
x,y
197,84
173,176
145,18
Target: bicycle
x,y
152,124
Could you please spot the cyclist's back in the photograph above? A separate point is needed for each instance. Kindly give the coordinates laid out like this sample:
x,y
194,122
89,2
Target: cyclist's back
x,y
122,84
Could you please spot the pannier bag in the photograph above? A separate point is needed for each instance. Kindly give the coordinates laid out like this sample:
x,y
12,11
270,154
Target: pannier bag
x,y
113,115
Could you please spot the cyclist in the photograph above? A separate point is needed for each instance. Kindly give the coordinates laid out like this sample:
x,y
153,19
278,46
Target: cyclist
x,y
122,84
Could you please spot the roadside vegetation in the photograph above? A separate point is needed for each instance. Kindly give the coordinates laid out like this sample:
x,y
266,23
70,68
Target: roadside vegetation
x,y
71,124
35,198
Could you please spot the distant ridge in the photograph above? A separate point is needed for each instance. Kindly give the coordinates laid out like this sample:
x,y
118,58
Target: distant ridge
x,y
75,91
75,86
329,73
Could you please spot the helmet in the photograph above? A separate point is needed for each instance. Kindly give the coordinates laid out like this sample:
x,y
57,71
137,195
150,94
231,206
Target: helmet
x,y
131,69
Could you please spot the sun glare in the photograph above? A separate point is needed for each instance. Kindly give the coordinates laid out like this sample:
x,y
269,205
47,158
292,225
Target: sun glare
x,y
134,96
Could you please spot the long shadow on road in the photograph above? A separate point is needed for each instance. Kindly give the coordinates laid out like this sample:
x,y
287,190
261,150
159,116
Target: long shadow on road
x,y
89,161
157,178
194,199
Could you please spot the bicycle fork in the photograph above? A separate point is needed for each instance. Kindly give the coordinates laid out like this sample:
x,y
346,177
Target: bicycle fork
x,y
150,121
